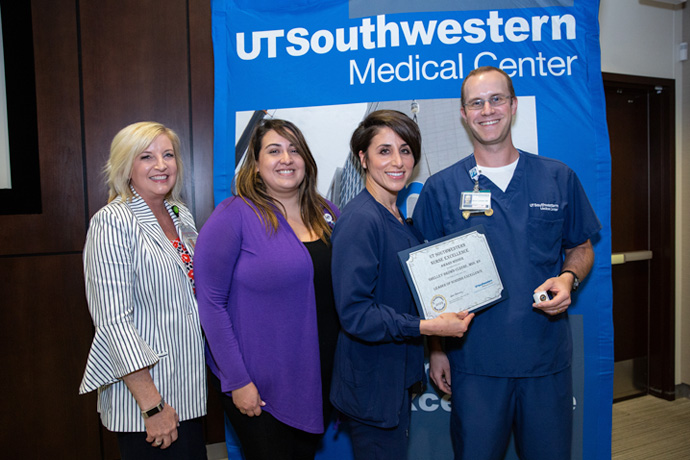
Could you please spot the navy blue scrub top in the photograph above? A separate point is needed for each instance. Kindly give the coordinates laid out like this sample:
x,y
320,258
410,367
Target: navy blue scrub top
x,y
543,211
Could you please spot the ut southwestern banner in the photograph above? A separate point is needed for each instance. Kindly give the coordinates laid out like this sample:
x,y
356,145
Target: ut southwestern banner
x,y
324,65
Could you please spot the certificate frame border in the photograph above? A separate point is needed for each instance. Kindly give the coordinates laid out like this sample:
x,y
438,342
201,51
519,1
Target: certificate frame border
x,y
404,256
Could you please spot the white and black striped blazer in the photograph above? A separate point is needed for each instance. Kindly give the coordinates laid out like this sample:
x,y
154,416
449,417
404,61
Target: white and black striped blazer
x,y
144,312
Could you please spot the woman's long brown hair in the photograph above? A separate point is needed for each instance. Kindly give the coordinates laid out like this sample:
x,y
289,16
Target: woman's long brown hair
x,y
251,188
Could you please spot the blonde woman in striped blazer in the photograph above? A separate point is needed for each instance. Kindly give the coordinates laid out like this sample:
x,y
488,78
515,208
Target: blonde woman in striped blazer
x,y
147,356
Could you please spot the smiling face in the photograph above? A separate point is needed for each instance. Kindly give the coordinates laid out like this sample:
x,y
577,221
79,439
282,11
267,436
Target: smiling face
x,y
280,166
489,126
388,163
154,171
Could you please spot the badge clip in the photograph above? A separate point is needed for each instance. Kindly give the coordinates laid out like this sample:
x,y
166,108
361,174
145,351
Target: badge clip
x,y
487,212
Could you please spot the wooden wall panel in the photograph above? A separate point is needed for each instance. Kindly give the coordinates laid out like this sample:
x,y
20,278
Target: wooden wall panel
x,y
61,225
135,68
201,64
44,343
99,66
201,80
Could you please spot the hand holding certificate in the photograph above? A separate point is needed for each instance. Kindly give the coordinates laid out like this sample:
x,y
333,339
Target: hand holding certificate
x,y
452,274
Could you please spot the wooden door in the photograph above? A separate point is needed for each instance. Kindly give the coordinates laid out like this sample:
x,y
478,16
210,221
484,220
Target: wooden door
x,y
642,231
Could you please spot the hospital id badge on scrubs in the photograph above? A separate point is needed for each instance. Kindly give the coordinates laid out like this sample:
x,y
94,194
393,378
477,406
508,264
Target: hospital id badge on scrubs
x,y
475,200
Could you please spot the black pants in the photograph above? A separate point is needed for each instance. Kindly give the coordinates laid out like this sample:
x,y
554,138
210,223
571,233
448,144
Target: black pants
x,y
190,444
267,438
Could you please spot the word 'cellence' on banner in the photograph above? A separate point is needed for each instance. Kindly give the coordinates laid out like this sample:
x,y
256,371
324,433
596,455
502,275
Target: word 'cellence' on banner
x,y
326,64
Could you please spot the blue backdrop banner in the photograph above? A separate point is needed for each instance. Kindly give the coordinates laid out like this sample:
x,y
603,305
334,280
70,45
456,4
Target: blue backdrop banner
x,y
325,64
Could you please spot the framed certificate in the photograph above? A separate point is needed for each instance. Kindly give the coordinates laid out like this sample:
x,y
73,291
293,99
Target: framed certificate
x,y
452,274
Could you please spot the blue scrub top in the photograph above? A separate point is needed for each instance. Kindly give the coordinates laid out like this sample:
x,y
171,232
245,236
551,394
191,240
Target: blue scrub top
x,y
380,350
543,211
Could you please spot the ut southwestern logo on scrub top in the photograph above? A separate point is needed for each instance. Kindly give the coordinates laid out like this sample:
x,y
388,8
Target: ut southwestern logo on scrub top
x,y
553,207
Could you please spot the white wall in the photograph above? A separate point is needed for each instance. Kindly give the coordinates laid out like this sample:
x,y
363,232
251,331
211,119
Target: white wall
x,y
638,37
641,37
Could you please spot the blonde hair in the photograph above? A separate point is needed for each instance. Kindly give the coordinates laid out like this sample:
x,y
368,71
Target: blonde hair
x,y
251,187
126,145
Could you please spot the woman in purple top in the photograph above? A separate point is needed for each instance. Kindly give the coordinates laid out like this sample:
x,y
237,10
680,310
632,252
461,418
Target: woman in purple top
x,y
265,306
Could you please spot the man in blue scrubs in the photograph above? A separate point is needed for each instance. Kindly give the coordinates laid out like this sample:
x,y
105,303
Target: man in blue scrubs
x,y
511,372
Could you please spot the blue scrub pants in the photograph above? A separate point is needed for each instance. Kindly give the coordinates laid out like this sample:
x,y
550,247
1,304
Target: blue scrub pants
x,y
538,410
374,443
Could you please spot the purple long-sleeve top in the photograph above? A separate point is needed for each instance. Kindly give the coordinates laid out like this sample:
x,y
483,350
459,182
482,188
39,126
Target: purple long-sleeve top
x,y
256,304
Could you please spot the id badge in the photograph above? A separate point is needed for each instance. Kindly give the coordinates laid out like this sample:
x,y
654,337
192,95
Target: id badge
x,y
475,200
188,236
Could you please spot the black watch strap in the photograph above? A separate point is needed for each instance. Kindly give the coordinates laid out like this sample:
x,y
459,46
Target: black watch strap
x,y
576,280
154,410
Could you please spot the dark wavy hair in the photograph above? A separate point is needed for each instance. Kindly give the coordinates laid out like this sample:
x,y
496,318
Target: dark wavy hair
x,y
400,123
251,188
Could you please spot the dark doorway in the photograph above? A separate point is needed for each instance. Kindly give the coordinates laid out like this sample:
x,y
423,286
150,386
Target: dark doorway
x,y
640,116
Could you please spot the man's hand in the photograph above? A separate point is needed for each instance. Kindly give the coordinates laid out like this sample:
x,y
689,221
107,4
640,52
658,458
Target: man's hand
x,y
559,287
439,370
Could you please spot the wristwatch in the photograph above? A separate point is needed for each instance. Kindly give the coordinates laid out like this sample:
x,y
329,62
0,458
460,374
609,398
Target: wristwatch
x,y
154,410
576,280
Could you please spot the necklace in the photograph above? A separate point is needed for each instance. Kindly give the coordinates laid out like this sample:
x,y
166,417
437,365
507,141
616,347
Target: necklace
x,y
395,211
392,209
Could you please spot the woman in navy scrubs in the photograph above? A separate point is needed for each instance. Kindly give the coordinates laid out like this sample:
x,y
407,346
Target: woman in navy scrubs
x,y
380,355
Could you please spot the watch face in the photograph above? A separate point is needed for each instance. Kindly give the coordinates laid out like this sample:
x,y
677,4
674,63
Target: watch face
x,y
153,410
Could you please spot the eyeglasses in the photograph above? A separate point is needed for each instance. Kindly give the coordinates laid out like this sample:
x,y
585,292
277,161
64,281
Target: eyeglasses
x,y
494,101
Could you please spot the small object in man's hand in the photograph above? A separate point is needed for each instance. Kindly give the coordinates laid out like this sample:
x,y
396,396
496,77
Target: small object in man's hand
x,y
541,296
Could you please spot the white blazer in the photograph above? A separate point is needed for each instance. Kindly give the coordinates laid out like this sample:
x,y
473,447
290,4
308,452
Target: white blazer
x,y
144,312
